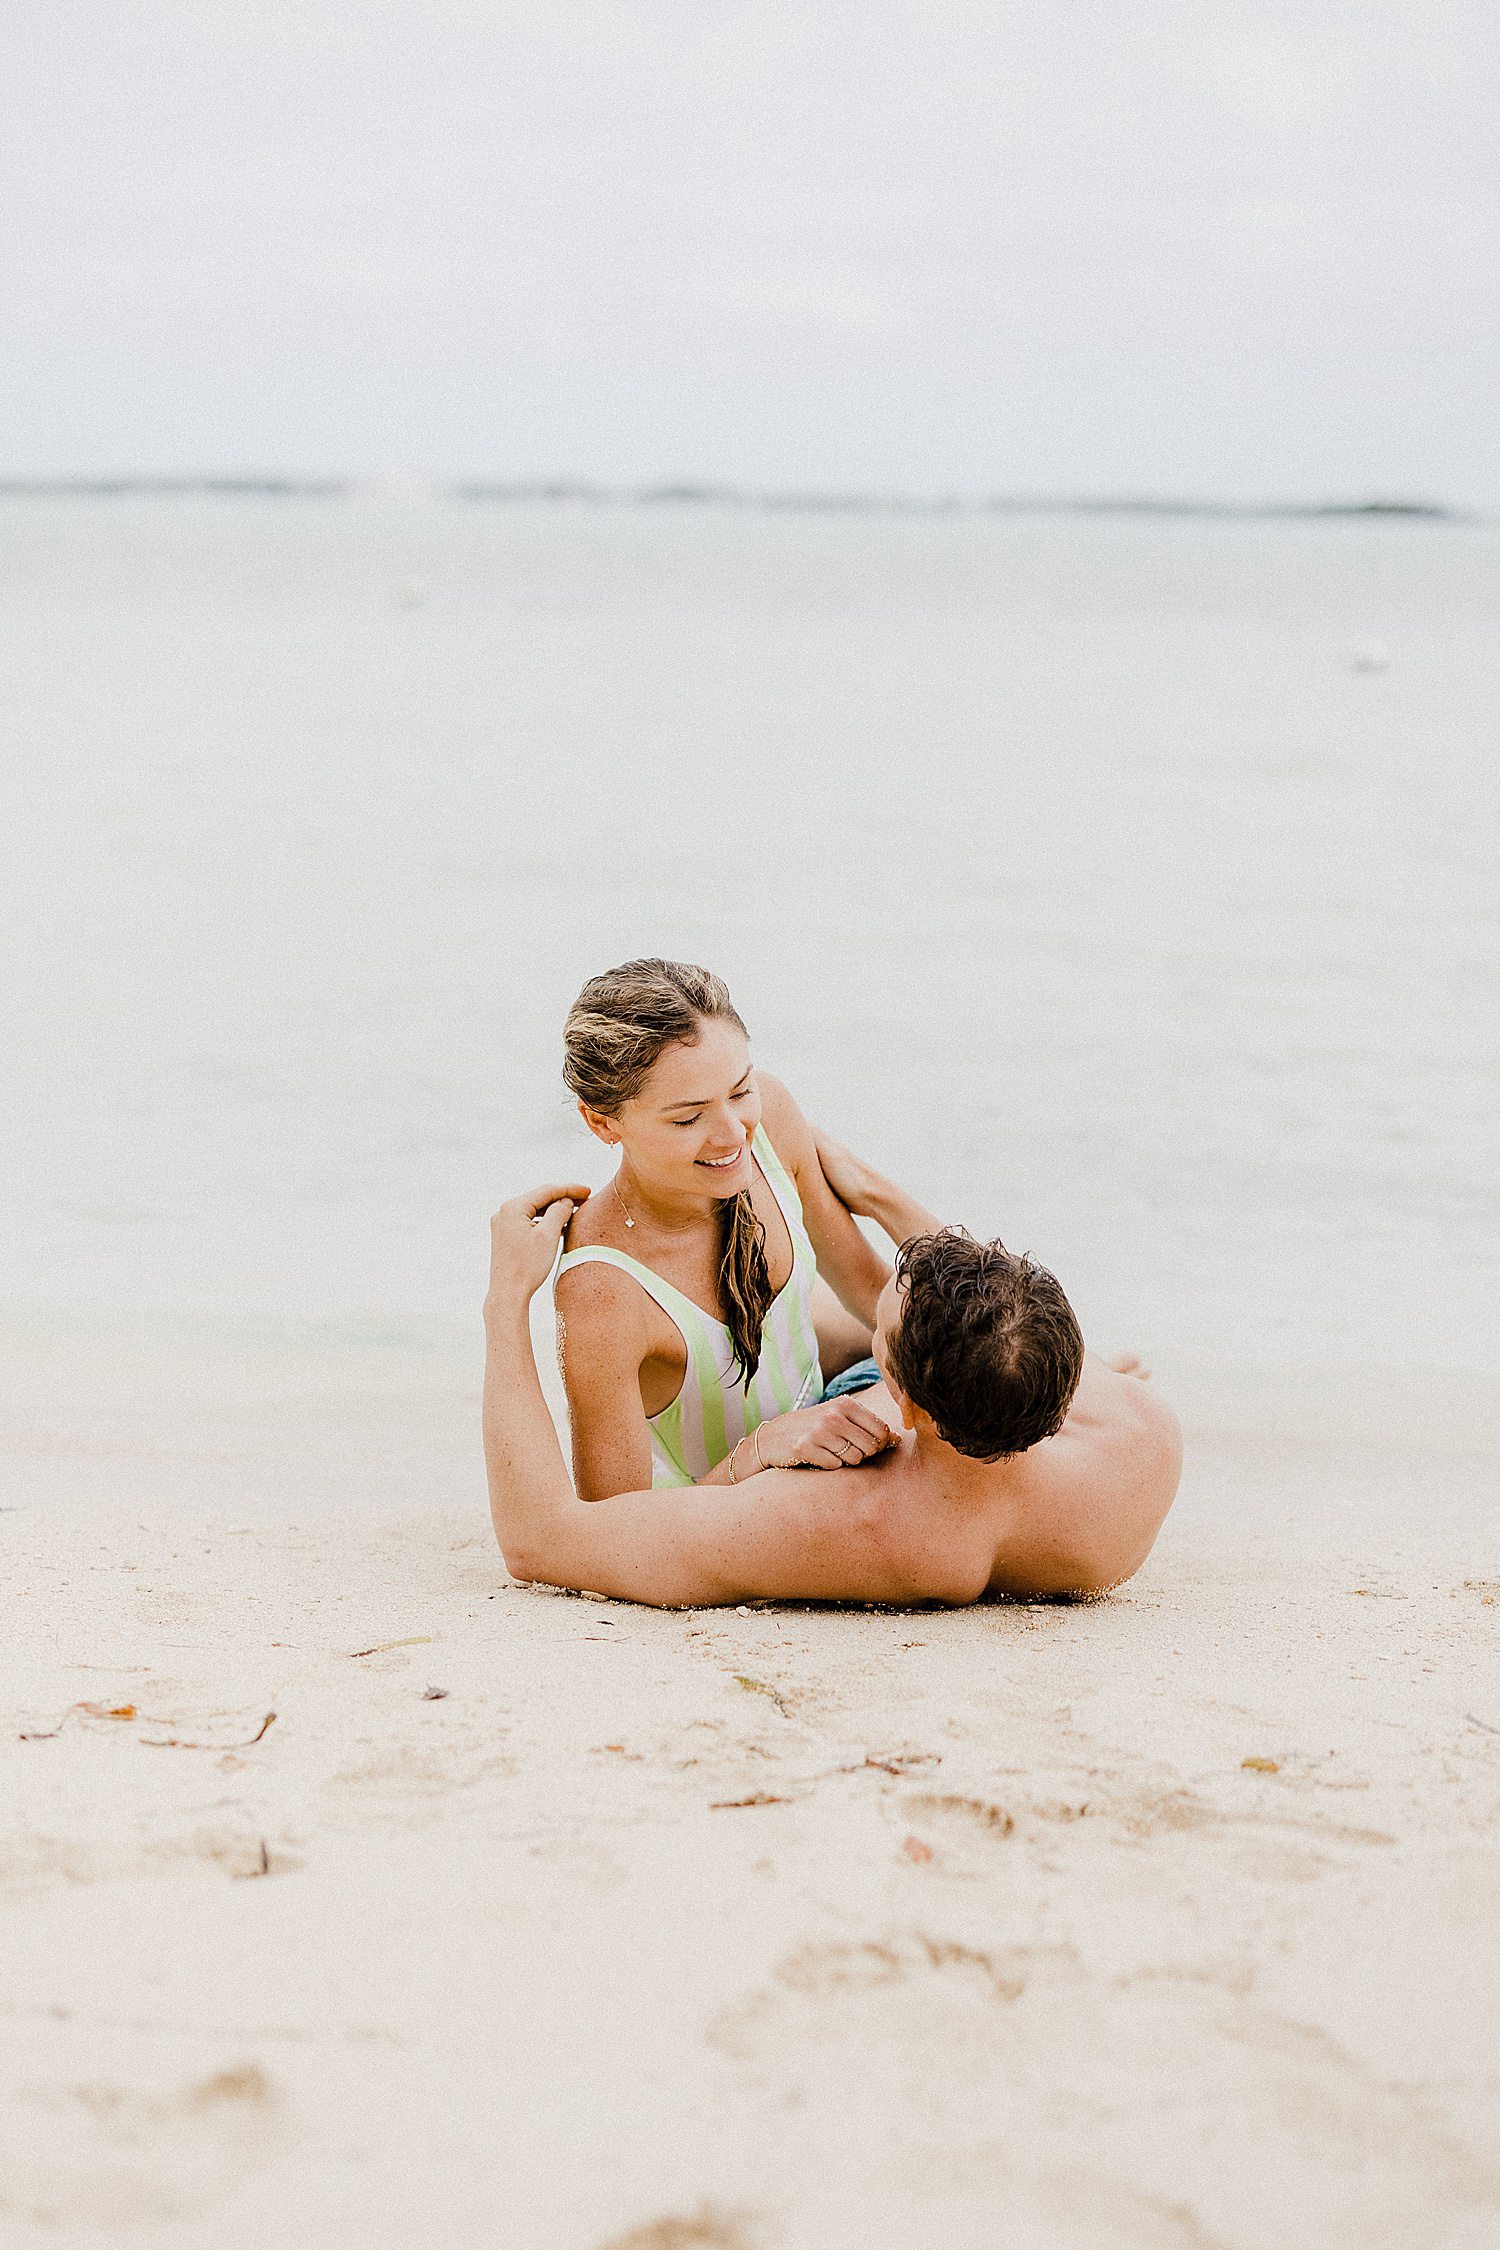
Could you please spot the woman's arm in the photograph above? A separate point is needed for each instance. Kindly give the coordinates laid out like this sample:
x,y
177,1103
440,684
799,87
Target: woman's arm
x,y
853,1268
602,1345
869,1194
603,1320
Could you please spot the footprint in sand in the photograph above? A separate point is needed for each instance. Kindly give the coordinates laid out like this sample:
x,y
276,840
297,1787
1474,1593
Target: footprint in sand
x,y
951,1834
405,1785
239,1850
1282,1837
105,2155
859,1998
958,1816
707,2228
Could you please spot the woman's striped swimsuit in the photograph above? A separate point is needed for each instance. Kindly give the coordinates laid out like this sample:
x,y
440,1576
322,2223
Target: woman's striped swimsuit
x,y
715,1408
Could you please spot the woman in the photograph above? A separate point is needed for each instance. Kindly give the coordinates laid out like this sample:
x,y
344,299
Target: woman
x,y
691,1346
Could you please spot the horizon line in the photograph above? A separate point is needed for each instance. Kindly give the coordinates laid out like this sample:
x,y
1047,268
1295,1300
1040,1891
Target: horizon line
x,y
686,492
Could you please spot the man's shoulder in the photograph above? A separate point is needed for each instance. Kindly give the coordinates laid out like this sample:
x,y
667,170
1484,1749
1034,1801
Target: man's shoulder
x,y
1094,1498
1134,1414
938,1547
868,1532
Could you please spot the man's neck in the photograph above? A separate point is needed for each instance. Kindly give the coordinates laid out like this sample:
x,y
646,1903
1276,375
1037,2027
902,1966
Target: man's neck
x,y
932,1457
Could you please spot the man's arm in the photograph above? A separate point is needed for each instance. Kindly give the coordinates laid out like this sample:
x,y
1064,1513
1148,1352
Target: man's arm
x,y
798,1533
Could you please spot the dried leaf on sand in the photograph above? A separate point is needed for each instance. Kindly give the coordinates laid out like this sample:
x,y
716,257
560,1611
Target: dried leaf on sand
x,y
89,1710
176,1742
760,1687
119,1711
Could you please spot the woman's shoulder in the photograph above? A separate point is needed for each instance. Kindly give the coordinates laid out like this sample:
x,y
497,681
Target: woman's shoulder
x,y
602,1304
594,1280
596,1294
784,1125
590,1225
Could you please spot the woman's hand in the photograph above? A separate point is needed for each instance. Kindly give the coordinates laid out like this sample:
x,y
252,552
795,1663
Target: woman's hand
x,y
524,1234
839,1434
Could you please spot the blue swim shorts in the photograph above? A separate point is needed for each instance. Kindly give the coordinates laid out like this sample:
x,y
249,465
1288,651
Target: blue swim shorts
x,y
860,1377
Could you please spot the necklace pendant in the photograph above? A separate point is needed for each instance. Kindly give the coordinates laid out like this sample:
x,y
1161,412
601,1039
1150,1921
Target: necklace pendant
x,y
630,1222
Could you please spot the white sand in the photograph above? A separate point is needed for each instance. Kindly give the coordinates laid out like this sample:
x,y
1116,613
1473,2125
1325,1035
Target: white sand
x,y
613,1945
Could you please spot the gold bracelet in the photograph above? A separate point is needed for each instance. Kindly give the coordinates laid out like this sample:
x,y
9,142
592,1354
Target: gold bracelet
x,y
754,1437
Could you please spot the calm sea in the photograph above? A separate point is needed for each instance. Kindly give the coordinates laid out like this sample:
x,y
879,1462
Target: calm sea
x,y
1127,886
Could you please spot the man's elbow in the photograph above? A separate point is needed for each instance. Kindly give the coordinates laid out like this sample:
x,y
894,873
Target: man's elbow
x,y
524,1555
532,1565
530,1523
520,1562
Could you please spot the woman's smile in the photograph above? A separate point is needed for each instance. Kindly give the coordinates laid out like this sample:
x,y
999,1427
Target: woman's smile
x,y
722,1163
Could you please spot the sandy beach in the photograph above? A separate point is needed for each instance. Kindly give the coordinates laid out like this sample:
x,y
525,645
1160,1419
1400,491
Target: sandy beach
x,y
536,1919
1173,1920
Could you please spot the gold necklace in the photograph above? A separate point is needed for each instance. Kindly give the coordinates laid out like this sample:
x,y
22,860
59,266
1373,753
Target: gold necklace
x,y
619,1198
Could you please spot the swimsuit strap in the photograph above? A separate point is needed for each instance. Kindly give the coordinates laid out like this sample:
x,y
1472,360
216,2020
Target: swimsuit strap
x,y
779,1180
674,1304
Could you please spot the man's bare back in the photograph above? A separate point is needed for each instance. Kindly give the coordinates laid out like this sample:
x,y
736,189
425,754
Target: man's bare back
x,y
1076,1514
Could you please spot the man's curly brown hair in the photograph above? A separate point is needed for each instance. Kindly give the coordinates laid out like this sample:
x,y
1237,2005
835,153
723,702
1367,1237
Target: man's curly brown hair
x,y
987,1343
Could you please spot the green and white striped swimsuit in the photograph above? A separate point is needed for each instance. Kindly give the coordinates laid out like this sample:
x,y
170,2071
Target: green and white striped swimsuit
x,y
715,1408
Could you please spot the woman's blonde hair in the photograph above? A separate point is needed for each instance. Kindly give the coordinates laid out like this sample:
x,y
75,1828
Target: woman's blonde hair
x,y
617,1031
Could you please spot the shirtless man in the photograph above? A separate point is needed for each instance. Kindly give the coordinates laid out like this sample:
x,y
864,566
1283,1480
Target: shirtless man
x,y
1017,1463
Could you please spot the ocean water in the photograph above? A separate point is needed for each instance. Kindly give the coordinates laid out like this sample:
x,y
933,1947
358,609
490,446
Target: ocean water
x,y
1082,871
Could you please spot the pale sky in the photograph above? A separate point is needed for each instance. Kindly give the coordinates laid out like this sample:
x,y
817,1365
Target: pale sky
x,y
1111,247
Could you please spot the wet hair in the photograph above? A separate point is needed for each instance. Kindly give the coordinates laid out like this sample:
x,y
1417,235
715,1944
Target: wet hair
x,y
987,1344
616,1032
